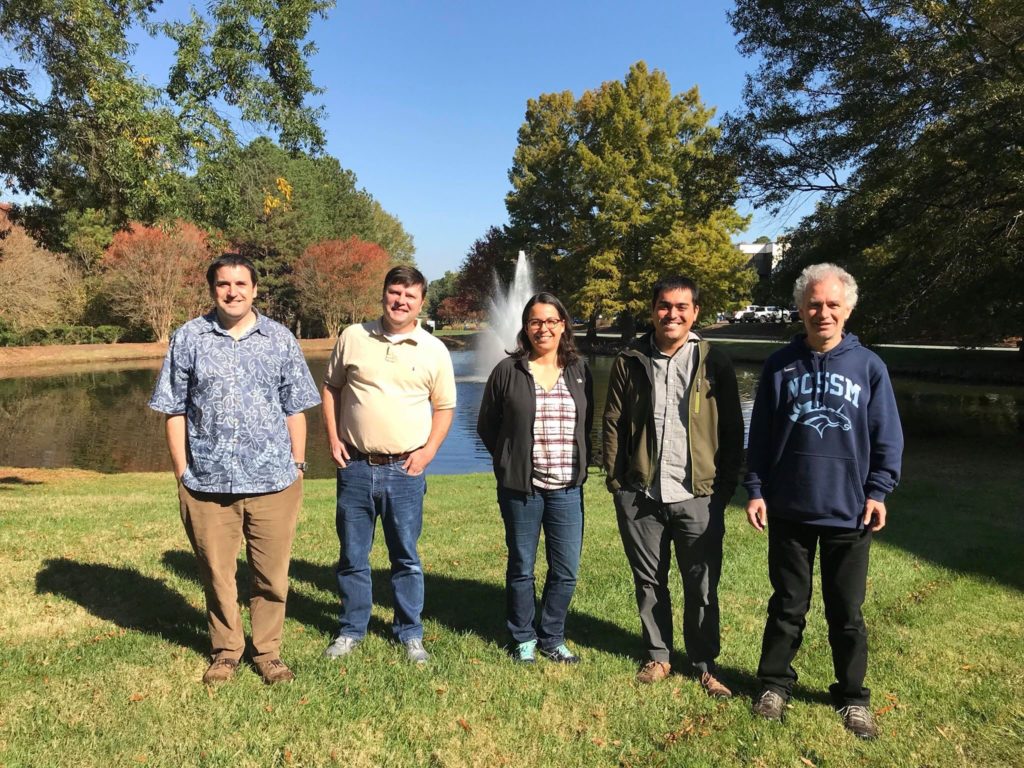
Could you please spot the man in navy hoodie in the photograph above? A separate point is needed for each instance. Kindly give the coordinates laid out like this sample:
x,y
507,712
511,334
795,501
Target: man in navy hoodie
x,y
824,451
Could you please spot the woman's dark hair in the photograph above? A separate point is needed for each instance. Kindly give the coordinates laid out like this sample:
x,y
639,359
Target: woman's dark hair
x,y
567,352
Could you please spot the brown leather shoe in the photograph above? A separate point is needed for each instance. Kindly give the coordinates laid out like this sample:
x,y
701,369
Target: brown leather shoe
x,y
220,671
653,672
274,671
714,687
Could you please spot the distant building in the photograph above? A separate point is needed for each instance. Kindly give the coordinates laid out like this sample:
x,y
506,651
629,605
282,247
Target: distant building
x,y
764,257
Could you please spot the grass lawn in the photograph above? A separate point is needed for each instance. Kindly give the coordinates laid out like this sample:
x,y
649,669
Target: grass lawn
x,y
104,640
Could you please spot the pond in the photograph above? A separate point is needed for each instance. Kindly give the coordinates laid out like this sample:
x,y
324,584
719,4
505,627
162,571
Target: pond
x,y
99,420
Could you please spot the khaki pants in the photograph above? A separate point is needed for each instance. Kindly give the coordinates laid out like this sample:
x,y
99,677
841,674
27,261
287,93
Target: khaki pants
x,y
215,524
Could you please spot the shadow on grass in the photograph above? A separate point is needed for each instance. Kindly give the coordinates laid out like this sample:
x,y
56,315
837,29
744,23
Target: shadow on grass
x,y
961,509
127,598
320,615
10,480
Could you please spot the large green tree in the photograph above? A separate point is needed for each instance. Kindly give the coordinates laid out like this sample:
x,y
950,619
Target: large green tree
x,y
905,117
273,204
621,186
81,129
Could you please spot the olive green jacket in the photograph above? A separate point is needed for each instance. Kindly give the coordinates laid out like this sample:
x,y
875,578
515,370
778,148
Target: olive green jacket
x,y
714,426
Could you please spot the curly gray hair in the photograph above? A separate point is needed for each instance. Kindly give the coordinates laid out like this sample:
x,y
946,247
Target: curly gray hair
x,y
818,272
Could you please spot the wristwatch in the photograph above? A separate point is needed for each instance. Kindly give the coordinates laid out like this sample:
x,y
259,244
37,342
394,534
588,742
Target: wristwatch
x,y
301,466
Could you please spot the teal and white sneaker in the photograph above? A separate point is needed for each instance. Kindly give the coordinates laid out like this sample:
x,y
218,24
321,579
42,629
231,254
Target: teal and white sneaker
x,y
524,653
560,654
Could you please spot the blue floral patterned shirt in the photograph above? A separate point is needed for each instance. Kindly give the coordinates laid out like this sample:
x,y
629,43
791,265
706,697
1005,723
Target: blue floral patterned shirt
x,y
235,396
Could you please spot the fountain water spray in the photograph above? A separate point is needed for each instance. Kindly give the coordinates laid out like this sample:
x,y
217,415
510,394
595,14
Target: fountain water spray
x,y
504,314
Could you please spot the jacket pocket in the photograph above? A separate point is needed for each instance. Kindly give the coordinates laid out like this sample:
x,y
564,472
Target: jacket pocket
x,y
816,488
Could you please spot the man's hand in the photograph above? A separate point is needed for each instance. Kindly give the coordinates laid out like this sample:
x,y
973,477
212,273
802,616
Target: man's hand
x,y
757,514
417,462
874,515
339,452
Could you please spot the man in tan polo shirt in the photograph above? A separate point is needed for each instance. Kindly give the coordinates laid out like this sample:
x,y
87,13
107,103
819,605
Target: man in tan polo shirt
x,y
389,399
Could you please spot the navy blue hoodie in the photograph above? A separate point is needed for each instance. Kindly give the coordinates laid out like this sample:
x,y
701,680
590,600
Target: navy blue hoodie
x,y
824,435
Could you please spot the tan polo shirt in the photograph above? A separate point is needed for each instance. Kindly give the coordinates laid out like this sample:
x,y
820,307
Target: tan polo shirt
x,y
387,389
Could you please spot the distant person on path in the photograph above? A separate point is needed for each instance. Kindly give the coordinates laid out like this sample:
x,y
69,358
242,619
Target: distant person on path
x,y
535,420
389,399
825,450
234,385
673,441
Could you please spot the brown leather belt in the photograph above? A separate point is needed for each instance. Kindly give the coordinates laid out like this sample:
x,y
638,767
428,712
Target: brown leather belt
x,y
378,459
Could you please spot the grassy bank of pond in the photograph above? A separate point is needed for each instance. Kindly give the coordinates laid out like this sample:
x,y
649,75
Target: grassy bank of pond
x,y
104,641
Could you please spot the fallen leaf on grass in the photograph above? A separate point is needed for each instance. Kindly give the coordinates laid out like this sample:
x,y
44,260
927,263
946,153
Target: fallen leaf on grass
x,y
598,742
892,697
303,700
474,661
268,708
441,691
966,667
136,697
464,725
288,756
885,710
141,758
807,762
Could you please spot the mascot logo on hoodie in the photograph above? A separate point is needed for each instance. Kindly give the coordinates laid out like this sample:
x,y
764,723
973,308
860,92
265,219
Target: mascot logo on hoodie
x,y
814,413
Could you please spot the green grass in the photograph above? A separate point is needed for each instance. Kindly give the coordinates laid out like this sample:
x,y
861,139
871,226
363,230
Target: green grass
x,y
104,640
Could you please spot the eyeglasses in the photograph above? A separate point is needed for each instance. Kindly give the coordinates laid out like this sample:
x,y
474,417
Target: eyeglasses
x,y
551,323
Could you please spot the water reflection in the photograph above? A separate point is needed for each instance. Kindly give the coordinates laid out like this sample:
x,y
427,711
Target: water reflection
x,y
99,419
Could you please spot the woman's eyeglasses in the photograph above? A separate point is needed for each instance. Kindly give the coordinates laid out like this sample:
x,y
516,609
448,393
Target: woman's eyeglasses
x,y
551,323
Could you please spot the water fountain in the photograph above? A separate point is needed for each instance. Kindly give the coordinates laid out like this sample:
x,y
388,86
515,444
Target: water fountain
x,y
504,315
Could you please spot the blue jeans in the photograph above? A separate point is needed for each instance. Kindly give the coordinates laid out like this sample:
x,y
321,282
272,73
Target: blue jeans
x,y
560,513
366,492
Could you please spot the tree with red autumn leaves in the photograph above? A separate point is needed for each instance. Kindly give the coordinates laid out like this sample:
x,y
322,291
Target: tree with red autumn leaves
x,y
156,276
339,281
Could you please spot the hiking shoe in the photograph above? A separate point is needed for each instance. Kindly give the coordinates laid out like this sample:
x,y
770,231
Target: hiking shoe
x,y
653,672
524,653
220,671
714,687
415,652
274,671
560,654
859,721
769,705
342,645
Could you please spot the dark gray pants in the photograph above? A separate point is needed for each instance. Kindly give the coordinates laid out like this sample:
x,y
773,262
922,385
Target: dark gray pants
x,y
696,527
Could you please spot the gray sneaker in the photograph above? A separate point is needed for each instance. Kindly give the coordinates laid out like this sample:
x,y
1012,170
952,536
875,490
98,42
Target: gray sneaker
x,y
859,721
769,705
415,652
342,645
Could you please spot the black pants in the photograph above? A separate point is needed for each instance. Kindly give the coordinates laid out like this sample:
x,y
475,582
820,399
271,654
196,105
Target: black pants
x,y
844,571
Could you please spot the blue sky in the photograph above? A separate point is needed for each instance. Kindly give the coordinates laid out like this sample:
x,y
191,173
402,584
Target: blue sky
x,y
424,99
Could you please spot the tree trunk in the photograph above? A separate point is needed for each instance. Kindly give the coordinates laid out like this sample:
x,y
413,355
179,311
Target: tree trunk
x,y
592,328
627,324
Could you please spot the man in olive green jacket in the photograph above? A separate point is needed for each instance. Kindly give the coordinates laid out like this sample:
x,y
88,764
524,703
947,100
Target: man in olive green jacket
x,y
673,443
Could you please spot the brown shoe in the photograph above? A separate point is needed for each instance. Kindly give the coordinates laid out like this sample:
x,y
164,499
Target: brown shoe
x,y
274,671
653,672
714,687
220,671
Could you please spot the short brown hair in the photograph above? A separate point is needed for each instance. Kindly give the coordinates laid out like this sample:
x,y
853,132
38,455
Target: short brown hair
x,y
406,276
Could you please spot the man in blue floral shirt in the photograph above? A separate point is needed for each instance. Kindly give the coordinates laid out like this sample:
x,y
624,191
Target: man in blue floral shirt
x,y
234,385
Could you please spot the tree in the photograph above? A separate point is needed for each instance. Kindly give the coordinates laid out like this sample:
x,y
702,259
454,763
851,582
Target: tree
x,y
905,118
491,256
272,204
622,186
38,289
439,290
79,128
156,276
340,282
458,309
